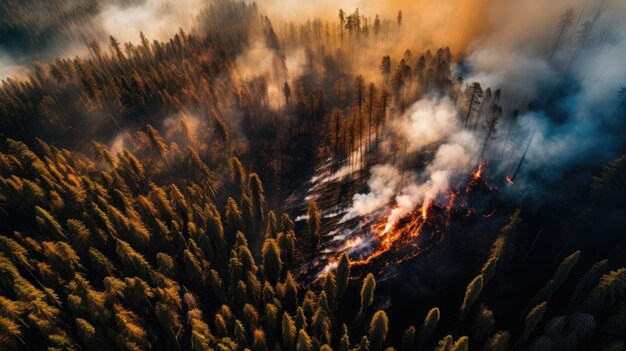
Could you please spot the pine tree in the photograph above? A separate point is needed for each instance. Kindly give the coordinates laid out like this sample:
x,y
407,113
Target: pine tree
x,y
471,295
498,342
304,342
314,218
565,268
330,288
367,292
612,286
288,332
429,326
408,339
258,198
343,274
272,264
290,299
483,323
344,344
461,344
588,280
258,340
532,319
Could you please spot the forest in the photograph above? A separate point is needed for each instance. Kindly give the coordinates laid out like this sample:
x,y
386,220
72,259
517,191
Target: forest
x,y
340,179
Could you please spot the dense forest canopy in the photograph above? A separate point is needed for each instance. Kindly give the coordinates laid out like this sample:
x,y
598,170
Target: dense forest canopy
x,y
345,179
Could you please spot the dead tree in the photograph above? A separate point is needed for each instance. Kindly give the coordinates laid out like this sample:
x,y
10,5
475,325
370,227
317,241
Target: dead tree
x,y
473,94
565,22
490,126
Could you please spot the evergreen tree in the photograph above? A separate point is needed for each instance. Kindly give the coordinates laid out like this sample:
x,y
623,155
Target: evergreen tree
x,y
367,292
314,218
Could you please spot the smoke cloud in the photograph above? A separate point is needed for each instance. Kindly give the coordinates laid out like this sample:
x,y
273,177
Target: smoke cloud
x,y
157,19
429,121
383,181
573,85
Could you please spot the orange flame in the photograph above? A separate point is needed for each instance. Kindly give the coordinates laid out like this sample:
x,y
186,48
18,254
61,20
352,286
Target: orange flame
x,y
394,236
477,173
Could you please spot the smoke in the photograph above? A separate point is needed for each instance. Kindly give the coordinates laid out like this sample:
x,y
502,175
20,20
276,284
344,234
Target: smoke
x,y
62,27
573,92
429,121
425,24
567,102
10,68
453,158
157,19
383,181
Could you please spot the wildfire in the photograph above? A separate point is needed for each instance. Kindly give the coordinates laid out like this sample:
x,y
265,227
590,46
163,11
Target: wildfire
x,y
417,231
391,234
476,176
477,173
405,232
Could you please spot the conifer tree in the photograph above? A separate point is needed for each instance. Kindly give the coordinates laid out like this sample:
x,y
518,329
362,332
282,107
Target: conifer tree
x,y
288,332
471,295
429,326
408,339
343,274
367,292
314,218
272,264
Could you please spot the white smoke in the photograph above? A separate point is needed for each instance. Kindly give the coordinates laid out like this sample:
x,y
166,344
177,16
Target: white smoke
x,y
383,182
574,91
429,121
157,19
455,157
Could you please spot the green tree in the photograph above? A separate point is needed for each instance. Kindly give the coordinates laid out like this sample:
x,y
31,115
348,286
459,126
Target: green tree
x,y
461,344
258,340
304,341
565,268
471,295
367,292
272,264
258,198
533,318
288,332
290,299
429,326
612,286
483,323
343,274
588,280
379,327
498,342
314,220
330,288
408,339
344,343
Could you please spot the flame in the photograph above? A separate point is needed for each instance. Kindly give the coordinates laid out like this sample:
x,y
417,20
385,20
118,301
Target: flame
x,y
476,176
508,180
477,173
391,234
352,243
401,237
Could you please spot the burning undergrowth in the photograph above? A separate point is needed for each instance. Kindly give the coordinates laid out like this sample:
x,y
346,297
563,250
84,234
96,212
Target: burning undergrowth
x,y
437,186
376,243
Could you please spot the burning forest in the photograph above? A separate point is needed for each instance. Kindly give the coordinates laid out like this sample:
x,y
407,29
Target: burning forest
x,y
294,175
